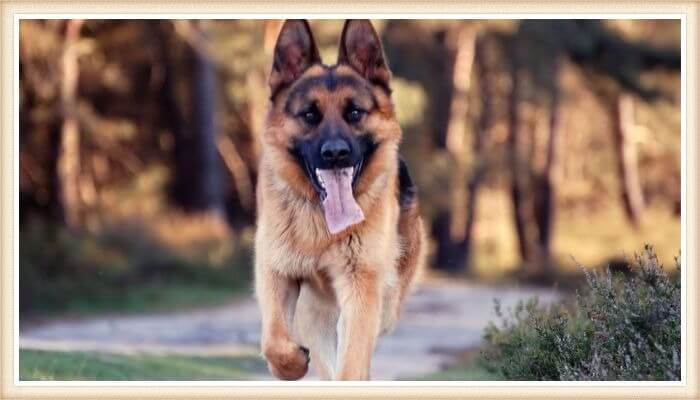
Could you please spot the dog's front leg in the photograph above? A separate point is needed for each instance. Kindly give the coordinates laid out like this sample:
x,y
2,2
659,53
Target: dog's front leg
x,y
277,296
358,327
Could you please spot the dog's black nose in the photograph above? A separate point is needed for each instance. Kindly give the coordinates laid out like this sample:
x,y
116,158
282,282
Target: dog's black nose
x,y
335,150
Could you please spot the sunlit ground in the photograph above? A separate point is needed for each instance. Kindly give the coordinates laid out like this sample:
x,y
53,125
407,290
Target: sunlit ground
x,y
591,239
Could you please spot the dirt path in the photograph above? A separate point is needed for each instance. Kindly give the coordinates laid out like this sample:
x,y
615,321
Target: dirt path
x,y
440,319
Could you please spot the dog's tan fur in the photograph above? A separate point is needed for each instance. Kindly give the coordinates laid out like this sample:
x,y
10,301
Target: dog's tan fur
x,y
331,294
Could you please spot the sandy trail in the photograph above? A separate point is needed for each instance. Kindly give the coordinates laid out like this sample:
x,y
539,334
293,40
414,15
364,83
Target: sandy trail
x,y
441,319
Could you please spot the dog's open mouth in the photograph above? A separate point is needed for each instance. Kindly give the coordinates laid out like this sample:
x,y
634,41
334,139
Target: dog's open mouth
x,y
339,205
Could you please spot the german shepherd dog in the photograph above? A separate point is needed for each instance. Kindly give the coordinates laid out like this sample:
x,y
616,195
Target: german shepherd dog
x,y
339,238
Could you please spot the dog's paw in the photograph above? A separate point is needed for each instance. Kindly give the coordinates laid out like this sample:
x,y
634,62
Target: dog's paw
x,y
287,360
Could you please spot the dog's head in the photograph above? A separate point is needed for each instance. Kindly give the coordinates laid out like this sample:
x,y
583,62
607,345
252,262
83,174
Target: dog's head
x,y
333,127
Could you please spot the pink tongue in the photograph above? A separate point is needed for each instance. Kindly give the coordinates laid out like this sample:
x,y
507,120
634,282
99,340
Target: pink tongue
x,y
340,208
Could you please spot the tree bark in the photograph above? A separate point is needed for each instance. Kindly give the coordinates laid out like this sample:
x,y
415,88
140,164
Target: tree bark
x,y
622,113
521,216
546,204
197,179
513,130
457,129
481,129
204,119
451,225
68,160
239,172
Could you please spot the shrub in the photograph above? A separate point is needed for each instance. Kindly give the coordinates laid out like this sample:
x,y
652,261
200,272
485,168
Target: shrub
x,y
624,326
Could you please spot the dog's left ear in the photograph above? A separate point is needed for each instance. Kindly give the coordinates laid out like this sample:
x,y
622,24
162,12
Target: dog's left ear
x,y
295,52
361,48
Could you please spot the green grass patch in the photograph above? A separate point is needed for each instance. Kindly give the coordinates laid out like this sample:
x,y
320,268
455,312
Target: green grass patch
x,y
148,297
89,366
471,372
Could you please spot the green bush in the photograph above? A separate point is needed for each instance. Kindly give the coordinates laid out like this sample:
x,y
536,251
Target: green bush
x,y
624,326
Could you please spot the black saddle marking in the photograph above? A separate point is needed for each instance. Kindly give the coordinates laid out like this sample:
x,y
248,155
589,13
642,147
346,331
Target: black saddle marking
x,y
407,190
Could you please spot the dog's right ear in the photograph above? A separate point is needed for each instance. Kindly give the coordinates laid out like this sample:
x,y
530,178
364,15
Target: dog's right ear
x,y
295,51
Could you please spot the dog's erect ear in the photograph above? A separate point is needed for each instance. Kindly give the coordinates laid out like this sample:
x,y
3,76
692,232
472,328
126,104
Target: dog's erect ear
x,y
361,48
295,51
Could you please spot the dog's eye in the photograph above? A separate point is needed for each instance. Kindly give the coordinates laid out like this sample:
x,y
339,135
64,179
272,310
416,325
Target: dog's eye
x,y
354,115
312,117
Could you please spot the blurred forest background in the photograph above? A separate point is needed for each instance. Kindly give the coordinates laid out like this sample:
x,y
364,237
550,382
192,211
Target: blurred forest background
x,y
532,142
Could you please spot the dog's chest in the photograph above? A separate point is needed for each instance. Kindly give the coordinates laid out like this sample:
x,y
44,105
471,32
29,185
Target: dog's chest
x,y
343,254
303,245
336,256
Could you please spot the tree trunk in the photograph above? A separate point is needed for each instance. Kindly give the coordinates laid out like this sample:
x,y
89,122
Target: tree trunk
x,y
197,179
622,113
68,159
256,86
546,205
451,225
239,172
171,112
481,129
204,120
513,128
521,214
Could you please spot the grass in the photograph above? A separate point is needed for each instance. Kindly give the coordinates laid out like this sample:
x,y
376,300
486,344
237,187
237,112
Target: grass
x,y
148,297
125,270
462,373
37,365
